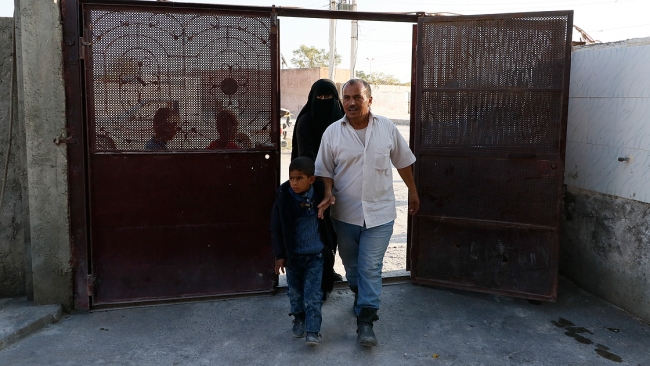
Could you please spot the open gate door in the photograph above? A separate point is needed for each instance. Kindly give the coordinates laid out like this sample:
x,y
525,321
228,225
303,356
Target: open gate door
x,y
490,129
172,219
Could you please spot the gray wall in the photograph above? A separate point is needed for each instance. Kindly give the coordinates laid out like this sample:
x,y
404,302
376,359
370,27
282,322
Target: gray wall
x,y
605,245
605,248
13,221
41,104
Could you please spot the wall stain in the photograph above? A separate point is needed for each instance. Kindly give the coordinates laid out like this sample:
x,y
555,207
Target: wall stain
x,y
575,332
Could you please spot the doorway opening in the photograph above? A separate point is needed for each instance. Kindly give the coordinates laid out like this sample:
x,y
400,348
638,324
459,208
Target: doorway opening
x,y
389,100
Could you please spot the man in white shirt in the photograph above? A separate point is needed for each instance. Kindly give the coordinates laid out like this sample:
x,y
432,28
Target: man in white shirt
x,y
354,161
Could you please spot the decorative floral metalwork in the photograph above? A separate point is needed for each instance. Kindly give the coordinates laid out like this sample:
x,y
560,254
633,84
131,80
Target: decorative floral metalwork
x,y
195,64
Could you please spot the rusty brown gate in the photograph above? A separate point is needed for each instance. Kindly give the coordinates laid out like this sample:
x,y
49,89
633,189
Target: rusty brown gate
x,y
179,206
490,129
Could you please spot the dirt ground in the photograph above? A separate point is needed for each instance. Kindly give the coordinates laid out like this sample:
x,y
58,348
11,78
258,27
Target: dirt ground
x,y
395,258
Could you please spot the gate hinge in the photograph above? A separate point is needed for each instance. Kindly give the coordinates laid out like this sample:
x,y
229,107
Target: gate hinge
x,y
64,140
90,284
274,20
82,48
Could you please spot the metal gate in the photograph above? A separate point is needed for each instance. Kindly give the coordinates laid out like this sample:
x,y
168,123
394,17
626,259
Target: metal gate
x,y
490,129
169,217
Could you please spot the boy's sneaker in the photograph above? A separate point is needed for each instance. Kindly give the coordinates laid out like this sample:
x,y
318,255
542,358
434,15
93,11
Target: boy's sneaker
x,y
312,339
298,328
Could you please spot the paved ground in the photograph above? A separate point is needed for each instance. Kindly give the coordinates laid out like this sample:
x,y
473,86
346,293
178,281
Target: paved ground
x,y
418,326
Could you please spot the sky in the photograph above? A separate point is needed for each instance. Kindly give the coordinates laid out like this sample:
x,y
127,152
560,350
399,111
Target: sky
x,y
386,47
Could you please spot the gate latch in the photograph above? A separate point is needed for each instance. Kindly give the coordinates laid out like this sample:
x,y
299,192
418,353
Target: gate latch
x,y
90,284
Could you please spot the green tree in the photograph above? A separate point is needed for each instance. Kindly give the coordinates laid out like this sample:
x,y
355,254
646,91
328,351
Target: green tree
x,y
379,78
307,57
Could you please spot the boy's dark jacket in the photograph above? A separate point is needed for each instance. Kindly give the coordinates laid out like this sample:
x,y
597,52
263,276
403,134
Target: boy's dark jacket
x,y
283,234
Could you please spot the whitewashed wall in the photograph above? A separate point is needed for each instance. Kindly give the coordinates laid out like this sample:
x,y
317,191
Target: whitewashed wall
x,y
609,117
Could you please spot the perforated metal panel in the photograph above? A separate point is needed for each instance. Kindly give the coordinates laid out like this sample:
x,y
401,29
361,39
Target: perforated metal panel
x,y
490,189
490,137
498,121
525,51
196,64
480,255
169,218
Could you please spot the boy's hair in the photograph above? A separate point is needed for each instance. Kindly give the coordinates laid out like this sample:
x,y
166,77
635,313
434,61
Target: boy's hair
x,y
161,125
303,164
161,116
226,117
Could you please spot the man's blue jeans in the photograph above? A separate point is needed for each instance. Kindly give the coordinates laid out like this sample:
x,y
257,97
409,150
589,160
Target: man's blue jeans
x,y
304,277
362,251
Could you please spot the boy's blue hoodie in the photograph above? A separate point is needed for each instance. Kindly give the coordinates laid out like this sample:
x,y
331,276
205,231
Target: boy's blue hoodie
x,y
283,224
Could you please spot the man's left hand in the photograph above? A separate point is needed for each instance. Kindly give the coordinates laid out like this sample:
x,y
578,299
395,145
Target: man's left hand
x,y
325,204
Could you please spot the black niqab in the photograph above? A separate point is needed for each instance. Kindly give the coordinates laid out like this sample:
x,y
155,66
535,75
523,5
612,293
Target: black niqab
x,y
314,118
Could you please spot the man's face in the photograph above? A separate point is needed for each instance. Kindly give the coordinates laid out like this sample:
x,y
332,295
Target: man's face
x,y
355,101
226,129
169,127
299,181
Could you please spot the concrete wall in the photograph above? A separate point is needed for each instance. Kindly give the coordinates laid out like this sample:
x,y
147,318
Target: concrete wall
x,y
13,213
296,83
41,110
605,245
388,100
606,248
391,100
609,117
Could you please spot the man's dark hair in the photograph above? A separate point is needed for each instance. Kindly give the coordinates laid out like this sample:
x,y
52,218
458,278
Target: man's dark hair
x,y
226,117
160,125
365,83
303,164
161,116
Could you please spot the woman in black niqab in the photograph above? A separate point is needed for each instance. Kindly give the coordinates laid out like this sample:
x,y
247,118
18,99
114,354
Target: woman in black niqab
x,y
314,118
323,108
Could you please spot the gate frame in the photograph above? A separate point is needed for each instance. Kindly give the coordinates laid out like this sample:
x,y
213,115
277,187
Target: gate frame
x,y
415,145
78,193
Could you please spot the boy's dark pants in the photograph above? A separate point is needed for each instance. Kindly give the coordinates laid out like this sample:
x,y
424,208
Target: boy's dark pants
x,y
304,279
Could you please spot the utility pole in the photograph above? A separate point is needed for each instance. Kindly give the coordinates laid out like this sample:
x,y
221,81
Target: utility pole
x,y
332,64
353,42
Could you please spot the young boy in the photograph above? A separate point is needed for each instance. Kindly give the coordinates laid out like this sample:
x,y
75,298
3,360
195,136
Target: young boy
x,y
300,242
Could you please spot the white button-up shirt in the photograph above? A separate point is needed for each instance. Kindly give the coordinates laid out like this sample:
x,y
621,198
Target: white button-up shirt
x,y
362,173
